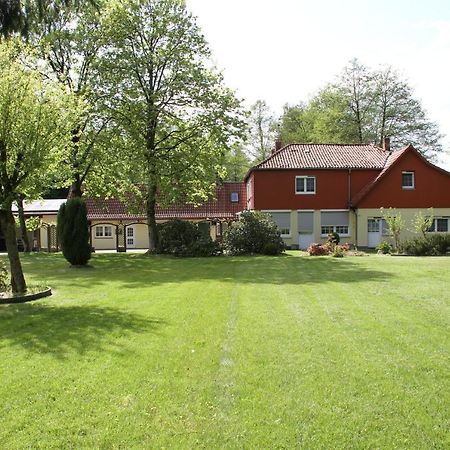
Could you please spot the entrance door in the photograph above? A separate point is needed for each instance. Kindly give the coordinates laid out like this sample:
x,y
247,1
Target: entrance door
x,y
305,240
373,232
131,237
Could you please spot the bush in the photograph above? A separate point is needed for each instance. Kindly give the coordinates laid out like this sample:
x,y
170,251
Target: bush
x,y
73,232
431,245
337,251
205,247
255,233
384,248
318,250
182,238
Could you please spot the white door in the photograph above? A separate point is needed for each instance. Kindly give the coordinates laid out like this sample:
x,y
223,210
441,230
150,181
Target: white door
x,y
373,232
131,242
305,240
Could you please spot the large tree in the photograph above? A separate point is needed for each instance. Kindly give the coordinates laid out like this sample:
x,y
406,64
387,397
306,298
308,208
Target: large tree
x,y
262,131
167,99
363,105
36,119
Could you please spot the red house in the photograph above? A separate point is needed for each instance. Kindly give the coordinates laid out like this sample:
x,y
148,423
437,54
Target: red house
x,y
314,189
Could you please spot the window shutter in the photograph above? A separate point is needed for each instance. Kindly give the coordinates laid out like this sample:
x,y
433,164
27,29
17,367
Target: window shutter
x,y
282,219
331,218
306,222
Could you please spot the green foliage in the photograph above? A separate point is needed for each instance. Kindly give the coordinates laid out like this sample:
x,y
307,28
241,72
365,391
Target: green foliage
x,y
362,105
384,248
236,163
36,119
395,223
431,245
73,232
254,233
31,223
423,223
4,278
183,238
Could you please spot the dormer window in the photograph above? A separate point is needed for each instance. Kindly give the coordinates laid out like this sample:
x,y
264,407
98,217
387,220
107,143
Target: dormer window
x,y
234,197
408,180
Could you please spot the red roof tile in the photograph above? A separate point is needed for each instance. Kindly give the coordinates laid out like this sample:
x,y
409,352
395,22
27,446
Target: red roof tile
x,y
219,208
326,156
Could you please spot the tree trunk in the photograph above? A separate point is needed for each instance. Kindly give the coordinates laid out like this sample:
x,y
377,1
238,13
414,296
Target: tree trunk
x,y
8,225
76,188
23,226
151,218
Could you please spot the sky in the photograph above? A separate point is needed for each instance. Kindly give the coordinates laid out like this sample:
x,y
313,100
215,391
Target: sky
x,y
283,51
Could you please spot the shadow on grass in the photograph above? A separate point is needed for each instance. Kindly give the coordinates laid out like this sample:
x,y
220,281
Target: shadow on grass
x,y
138,271
62,330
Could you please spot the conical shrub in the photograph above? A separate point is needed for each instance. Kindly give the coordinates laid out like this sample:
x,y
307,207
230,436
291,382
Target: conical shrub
x,y
73,231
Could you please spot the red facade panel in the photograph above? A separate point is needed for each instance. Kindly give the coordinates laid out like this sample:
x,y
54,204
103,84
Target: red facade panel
x,y
431,186
275,189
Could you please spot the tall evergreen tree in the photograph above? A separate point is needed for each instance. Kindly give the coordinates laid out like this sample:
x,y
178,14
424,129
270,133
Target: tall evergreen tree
x,y
73,231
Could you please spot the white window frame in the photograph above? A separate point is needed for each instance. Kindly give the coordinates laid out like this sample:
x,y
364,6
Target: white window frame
x,y
409,172
305,184
100,232
334,227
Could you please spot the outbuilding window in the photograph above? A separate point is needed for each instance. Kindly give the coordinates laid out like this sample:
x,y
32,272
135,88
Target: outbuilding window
x,y
305,185
103,231
234,197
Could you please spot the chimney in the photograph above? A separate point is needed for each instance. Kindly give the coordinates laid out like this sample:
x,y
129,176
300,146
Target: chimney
x,y
278,145
387,144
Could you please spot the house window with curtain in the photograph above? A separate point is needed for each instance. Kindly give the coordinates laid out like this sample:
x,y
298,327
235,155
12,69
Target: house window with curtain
x,y
334,222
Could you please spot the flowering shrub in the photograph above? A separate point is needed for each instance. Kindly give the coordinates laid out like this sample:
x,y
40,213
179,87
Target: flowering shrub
x,y
327,249
318,250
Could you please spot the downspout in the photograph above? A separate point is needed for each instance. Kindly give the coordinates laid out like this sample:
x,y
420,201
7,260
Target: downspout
x,y
350,206
349,188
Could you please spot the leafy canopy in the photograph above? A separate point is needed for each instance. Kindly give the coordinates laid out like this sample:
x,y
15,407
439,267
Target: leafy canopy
x,y
36,119
363,105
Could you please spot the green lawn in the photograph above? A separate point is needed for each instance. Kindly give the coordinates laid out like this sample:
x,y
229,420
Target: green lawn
x,y
244,352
